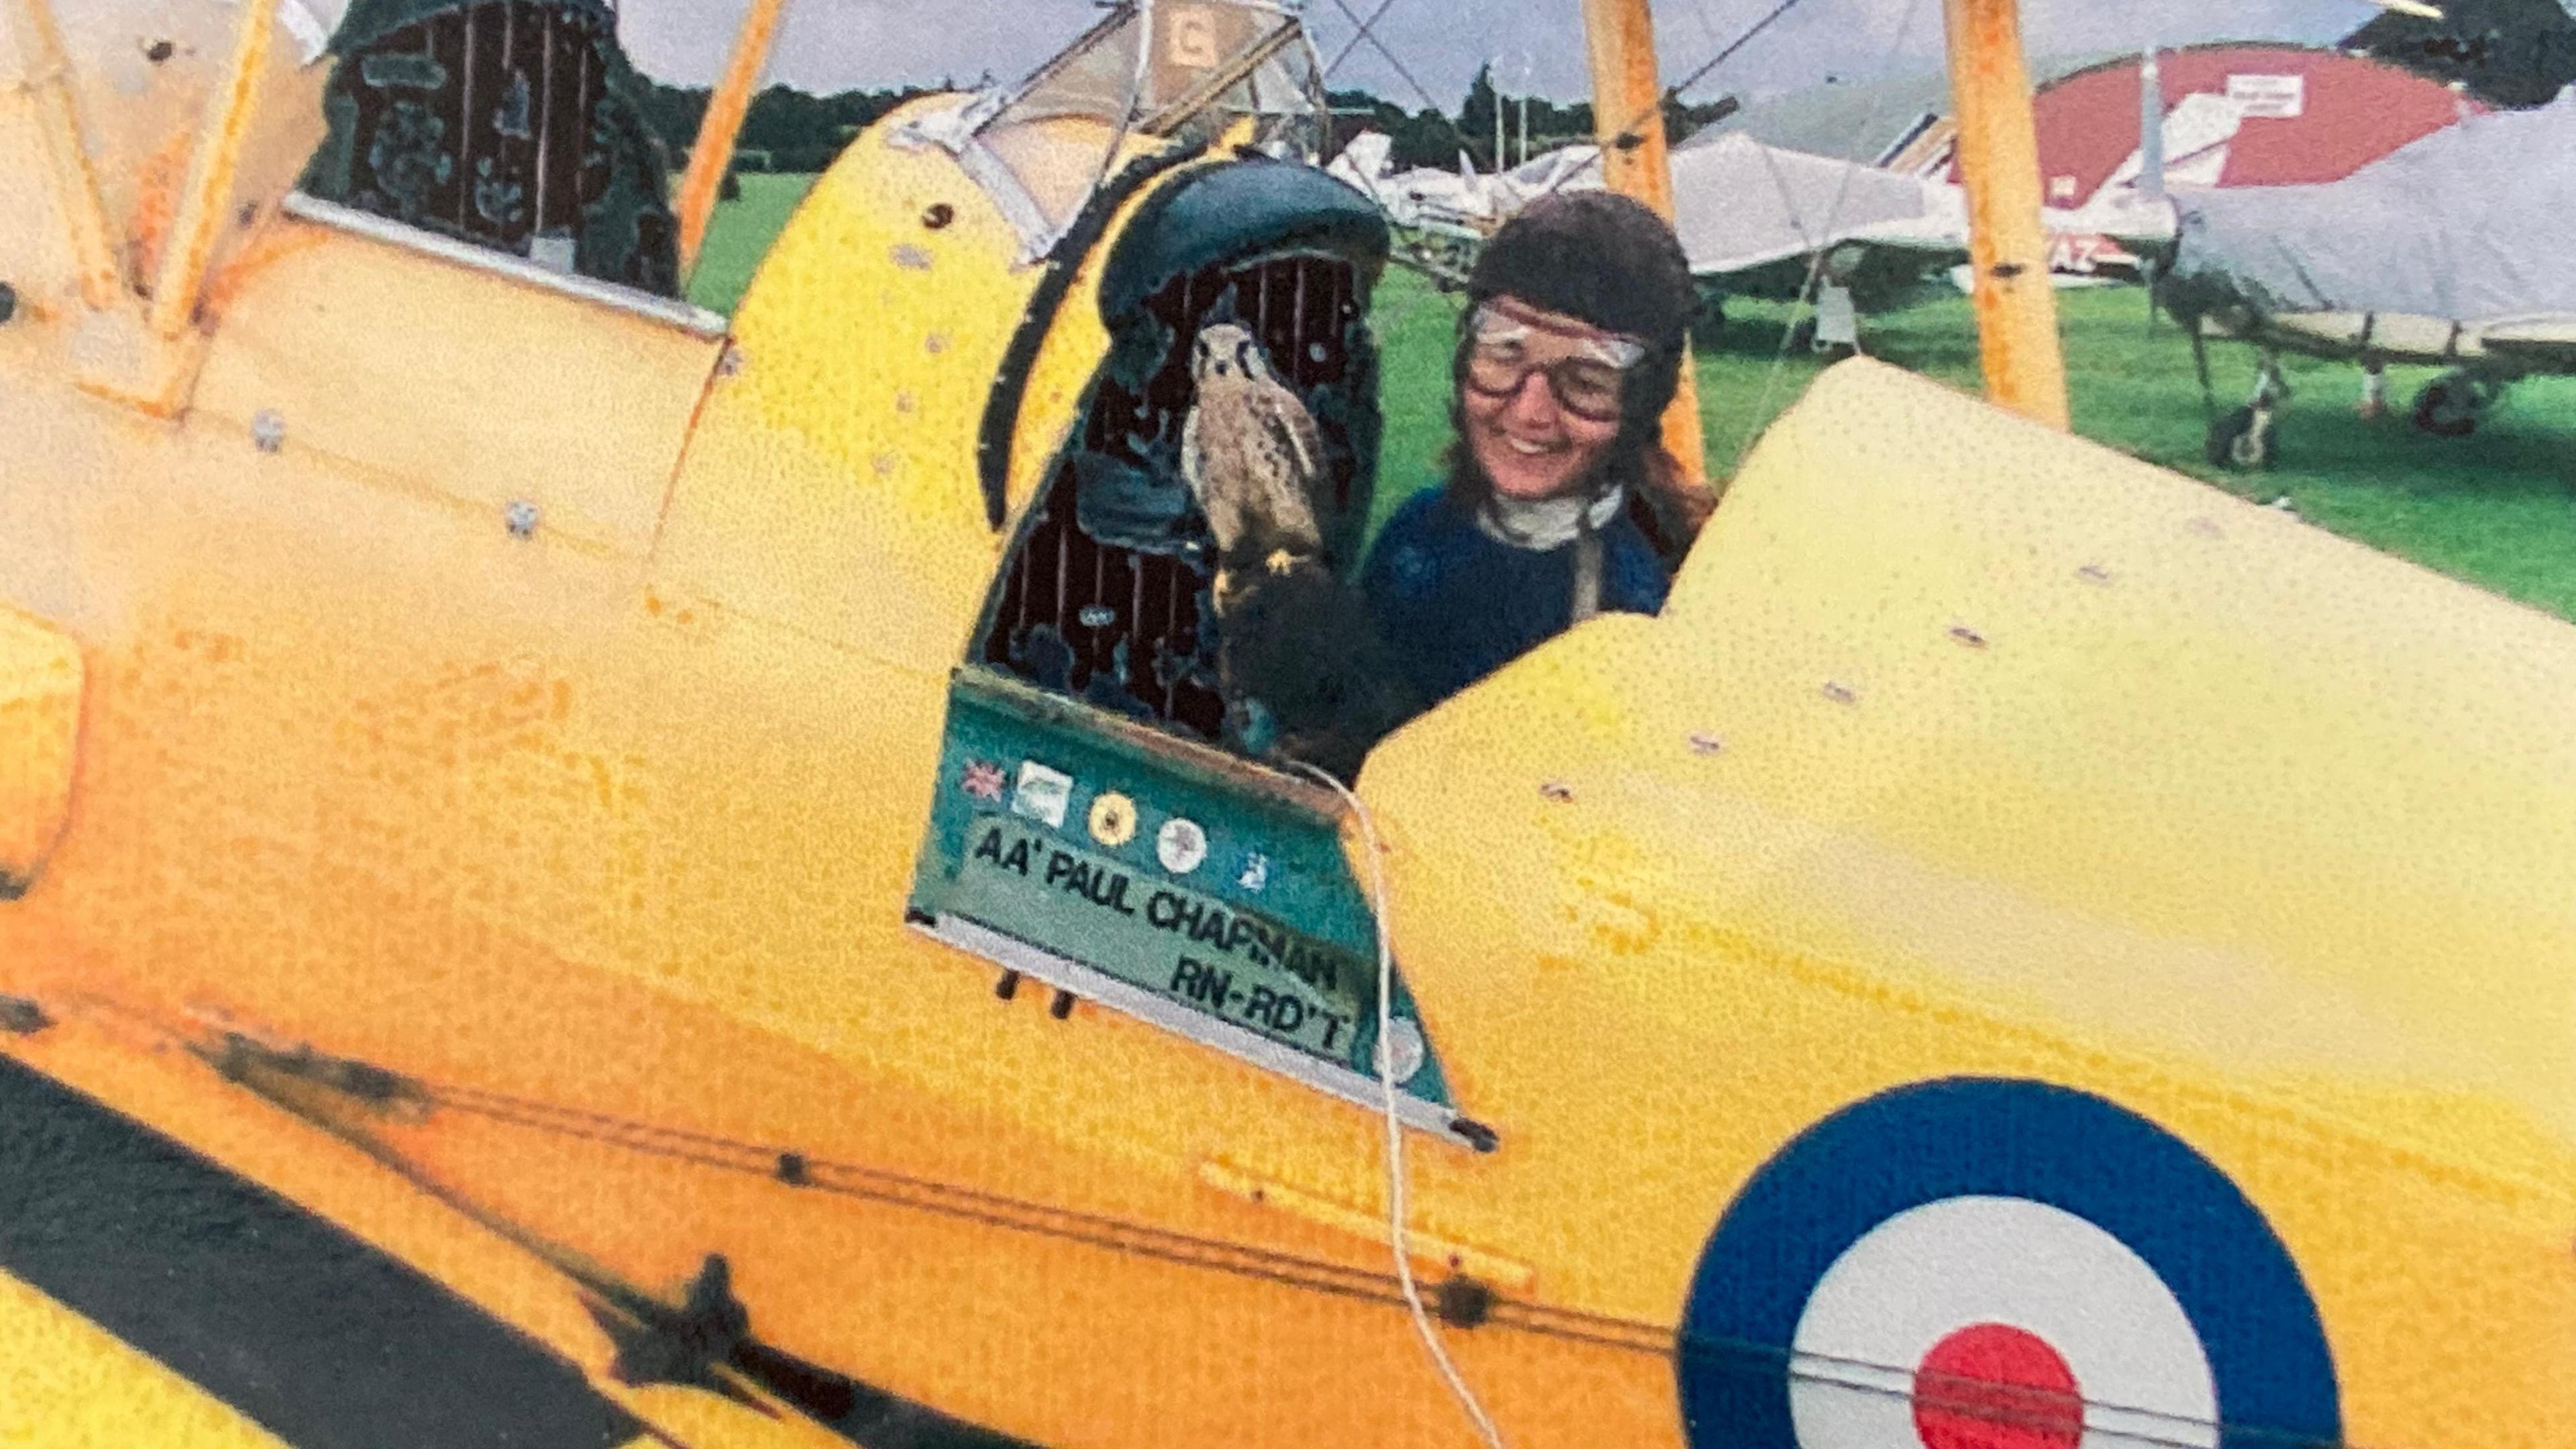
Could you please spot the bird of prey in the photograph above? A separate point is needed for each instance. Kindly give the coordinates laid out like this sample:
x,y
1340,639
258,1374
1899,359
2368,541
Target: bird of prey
x,y
1299,661
1250,454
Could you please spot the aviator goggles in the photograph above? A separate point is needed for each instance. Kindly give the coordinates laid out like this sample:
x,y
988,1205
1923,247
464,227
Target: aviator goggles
x,y
1588,374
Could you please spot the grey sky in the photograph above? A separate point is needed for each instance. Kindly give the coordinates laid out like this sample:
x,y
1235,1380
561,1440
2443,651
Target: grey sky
x,y
833,44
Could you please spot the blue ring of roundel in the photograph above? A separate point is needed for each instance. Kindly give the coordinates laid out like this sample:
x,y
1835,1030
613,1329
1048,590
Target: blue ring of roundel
x,y
1918,1144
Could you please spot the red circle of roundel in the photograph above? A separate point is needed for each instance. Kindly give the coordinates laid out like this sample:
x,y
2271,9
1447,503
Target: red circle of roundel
x,y
1994,1386
2030,1286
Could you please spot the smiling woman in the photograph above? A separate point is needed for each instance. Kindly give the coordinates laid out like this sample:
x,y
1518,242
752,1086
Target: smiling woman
x,y
1560,501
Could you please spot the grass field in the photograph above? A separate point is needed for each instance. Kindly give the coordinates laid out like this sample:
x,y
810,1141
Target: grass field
x,y
738,236
2497,509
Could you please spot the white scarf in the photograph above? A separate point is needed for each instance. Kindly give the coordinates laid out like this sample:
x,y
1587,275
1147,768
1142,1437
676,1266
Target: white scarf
x,y
1540,524
1543,524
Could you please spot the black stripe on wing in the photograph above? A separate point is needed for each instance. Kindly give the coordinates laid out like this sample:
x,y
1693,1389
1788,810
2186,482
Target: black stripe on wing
x,y
321,1339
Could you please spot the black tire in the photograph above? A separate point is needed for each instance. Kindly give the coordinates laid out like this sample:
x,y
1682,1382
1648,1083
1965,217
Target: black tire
x,y
2444,414
2238,445
1803,336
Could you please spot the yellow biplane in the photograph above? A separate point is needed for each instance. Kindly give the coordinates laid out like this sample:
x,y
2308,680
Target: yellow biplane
x,y
583,872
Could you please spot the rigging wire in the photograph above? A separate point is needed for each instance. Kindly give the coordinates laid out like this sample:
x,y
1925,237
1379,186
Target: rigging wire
x,y
1707,23
1385,1054
1816,263
1441,278
1143,1240
1679,88
232,1049
1364,33
1627,135
1140,1240
1369,35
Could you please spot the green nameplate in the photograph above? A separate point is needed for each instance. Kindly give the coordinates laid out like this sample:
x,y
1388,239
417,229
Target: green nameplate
x,y
1164,937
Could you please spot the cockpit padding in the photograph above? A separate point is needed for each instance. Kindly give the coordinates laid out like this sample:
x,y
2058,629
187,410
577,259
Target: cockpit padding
x,y
1108,594
511,124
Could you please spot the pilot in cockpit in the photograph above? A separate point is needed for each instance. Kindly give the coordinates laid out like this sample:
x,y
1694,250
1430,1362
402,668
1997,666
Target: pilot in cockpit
x,y
1560,501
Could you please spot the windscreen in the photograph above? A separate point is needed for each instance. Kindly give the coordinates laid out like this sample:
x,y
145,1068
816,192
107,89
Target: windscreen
x,y
1176,70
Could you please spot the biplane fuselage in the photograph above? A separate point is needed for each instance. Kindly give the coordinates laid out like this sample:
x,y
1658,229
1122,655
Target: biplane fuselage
x,y
550,698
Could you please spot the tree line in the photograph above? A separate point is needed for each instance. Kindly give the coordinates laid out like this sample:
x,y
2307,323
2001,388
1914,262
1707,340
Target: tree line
x,y
786,129
1429,137
790,130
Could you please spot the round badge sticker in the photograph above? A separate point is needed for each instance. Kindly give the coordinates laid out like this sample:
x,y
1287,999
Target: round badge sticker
x,y
1400,1052
1113,818
1180,845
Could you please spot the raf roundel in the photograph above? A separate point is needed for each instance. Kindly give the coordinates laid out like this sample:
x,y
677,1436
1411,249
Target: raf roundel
x,y
1986,1264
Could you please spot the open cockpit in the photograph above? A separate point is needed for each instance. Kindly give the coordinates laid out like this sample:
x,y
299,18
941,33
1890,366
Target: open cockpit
x,y
515,125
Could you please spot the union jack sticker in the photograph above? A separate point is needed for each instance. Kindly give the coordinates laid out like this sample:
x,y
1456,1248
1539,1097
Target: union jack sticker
x,y
983,780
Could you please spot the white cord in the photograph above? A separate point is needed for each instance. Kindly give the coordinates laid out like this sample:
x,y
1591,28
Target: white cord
x,y
1395,1211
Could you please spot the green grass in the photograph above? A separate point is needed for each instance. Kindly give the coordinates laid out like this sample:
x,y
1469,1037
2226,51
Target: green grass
x,y
739,235
2496,509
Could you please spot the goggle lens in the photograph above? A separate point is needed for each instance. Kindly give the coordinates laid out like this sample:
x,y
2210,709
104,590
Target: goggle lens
x,y
1586,384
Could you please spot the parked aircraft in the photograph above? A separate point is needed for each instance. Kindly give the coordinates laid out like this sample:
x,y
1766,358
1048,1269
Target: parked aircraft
x,y
2447,253
1755,220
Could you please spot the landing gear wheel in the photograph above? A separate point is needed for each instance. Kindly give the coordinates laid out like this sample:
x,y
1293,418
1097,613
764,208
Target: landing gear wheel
x,y
2448,407
1982,1263
2242,441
